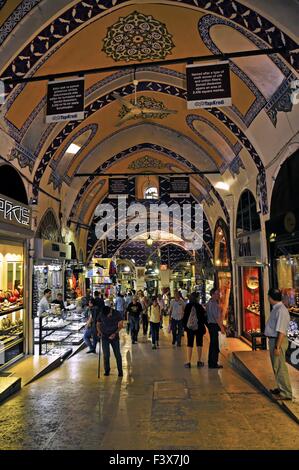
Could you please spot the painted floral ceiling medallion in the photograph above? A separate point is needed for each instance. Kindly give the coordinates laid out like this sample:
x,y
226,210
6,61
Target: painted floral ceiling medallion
x,y
137,37
147,162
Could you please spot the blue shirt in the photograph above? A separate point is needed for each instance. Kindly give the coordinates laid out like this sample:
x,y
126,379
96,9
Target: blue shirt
x,y
278,321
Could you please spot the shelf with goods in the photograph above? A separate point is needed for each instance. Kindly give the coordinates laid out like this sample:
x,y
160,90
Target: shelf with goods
x,y
59,331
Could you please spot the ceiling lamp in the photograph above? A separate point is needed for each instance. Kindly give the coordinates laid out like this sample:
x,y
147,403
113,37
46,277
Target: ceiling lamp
x,y
127,269
222,185
149,241
73,149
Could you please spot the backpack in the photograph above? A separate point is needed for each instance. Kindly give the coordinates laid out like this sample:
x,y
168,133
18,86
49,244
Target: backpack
x,y
192,323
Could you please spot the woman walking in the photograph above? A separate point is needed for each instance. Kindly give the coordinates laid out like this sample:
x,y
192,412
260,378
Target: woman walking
x,y
155,318
194,324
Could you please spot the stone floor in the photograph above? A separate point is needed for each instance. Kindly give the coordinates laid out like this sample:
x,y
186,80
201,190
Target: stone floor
x,y
157,405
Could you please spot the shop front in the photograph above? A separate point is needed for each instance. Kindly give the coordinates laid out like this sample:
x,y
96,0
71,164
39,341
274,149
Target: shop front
x,y
223,274
251,295
283,245
250,271
15,230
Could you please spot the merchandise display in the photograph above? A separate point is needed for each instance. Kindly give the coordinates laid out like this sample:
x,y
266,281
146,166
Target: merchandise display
x,y
46,277
251,301
12,312
57,330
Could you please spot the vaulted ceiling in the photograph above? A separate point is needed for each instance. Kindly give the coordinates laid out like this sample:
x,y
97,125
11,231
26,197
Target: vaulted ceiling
x,y
40,37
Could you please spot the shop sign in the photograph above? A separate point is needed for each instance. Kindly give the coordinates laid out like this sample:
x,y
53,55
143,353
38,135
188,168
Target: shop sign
x,y
179,186
118,187
14,213
248,248
208,85
65,100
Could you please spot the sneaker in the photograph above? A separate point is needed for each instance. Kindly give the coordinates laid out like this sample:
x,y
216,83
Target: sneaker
x,y
218,366
107,373
200,364
90,351
187,365
154,346
120,374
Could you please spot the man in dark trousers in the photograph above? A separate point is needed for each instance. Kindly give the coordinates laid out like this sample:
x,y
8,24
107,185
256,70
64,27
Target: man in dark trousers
x,y
214,320
91,327
134,312
109,324
99,302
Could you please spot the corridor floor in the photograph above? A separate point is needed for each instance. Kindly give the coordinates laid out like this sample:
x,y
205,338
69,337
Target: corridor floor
x,y
158,404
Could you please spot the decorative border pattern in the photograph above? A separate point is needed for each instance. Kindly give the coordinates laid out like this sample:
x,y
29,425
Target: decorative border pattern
x,y
57,179
138,148
204,26
18,14
235,149
153,86
74,17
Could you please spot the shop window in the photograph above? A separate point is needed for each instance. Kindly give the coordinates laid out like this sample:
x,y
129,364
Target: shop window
x,y
151,193
248,219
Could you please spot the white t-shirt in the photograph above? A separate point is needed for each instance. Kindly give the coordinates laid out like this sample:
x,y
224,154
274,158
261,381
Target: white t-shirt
x,y
177,308
43,306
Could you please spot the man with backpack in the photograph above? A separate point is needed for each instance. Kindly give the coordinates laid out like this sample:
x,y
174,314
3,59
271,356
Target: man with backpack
x,y
194,324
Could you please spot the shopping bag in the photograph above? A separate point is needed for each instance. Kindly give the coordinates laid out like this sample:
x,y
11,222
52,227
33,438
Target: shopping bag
x,y
222,340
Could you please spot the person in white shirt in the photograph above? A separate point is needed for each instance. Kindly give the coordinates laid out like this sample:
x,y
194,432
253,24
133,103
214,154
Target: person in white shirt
x,y
176,314
44,304
276,330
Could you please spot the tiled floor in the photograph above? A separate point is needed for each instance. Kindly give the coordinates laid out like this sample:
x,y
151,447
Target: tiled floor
x,y
157,405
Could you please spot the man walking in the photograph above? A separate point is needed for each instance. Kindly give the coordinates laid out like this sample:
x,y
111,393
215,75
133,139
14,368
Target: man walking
x,y
134,312
214,320
176,314
108,327
276,330
120,305
91,328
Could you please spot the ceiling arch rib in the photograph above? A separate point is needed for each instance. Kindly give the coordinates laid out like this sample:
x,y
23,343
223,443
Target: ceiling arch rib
x,y
205,185
79,15
161,88
220,35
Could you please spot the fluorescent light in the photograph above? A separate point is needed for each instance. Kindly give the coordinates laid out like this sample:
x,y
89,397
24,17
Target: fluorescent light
x,y
222,185
73,148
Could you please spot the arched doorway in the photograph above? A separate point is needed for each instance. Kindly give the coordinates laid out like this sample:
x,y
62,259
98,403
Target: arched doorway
x,y
251,314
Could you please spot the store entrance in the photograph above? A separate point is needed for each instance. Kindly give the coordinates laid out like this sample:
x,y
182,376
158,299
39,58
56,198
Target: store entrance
x,y
251,282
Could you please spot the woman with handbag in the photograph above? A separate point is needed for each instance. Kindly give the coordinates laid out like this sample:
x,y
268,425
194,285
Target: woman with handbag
x,y
194,325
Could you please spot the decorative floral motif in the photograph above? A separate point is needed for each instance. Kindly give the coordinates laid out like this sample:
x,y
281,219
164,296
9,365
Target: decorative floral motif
x,y
145,102
24,157
137,37
148,162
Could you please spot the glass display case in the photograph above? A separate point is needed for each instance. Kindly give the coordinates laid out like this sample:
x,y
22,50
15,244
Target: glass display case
x,y
60,331
251,297
11,303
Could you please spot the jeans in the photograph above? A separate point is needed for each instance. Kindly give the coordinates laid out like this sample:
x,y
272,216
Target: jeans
x,y
145,323
155,327
106,353
91,333
214,344
177,331
280,368
134,326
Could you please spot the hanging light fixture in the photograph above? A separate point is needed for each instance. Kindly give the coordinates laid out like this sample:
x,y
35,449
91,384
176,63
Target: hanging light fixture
x,y
149,241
